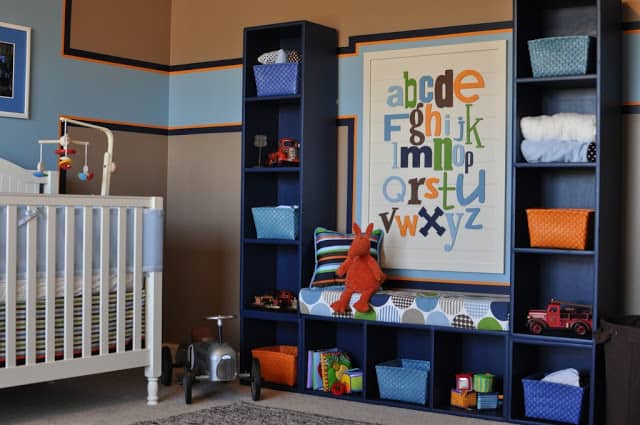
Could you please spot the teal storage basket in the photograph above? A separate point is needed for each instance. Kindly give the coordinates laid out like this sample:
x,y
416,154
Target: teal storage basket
x,y
276,79
404,380
552,401
561,56
276,222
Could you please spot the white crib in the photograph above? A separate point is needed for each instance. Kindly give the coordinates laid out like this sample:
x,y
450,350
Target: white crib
x,y
78,297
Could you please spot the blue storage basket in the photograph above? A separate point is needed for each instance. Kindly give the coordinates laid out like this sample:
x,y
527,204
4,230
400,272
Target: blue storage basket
x,y
276,79
551,401
404,380
559,56
487,401
276,222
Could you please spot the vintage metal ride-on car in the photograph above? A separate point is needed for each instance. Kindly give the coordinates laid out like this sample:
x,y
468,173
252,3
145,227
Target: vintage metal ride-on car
x,y
561,315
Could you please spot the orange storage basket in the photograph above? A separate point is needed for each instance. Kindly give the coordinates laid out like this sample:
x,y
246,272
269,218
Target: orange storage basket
x,y
563,228
464,398
278,363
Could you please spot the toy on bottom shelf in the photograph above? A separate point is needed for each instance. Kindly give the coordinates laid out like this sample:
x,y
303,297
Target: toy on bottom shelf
x,y
352,380
475,391
561,315
326,369
363,272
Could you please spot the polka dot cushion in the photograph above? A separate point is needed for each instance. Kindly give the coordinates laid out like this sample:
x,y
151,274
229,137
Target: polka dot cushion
x,y
436,308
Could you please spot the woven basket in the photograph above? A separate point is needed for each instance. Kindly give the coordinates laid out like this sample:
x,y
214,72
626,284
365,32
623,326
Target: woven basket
x,y
404,380
464,398
278,363
557,56
276,79
562,228
487,401
551,401
276,222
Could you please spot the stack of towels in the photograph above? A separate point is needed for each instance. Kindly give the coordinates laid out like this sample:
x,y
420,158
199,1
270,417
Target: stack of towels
x,y
563,137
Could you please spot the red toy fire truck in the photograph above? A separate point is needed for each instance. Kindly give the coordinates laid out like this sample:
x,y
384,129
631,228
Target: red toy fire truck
x,y
561,315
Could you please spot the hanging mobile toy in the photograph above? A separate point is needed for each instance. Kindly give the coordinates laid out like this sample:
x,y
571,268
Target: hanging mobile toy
x,y
40,168
85,175
64,161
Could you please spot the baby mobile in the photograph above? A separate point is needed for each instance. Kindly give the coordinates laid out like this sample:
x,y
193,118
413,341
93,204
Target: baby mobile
x,y
64,153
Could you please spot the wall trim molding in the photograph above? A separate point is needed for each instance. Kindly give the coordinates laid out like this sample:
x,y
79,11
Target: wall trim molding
x,y
216,65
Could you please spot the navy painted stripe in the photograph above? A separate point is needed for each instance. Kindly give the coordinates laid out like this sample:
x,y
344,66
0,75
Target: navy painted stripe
x,y
353,40
631,109
205,130
204,65
631,25
350,124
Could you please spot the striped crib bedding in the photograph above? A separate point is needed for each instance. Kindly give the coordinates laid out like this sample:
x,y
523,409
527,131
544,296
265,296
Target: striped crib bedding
x,y
59,325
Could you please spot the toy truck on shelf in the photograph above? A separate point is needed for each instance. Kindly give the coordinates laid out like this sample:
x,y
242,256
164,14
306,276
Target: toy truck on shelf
x,y
561,315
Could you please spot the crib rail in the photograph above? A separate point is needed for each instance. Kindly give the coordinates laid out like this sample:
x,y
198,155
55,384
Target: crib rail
x,y
74,351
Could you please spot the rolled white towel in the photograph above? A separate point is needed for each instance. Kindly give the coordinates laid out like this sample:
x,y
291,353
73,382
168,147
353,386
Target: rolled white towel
x,y
562,126
568,376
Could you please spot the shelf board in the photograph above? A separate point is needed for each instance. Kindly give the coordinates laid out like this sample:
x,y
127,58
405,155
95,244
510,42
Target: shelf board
x,y
548,251
552,340
571,81
496,414
271,170
275,315
351,397
555,165
400,404
255,241
284,98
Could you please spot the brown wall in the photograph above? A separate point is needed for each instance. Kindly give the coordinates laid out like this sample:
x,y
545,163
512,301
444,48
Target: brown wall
x,y
204,30
141,163
202,264
138,29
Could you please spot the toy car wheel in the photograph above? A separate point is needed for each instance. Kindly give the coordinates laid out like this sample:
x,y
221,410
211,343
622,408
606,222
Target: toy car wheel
x,y
536,327
167,367
580,329
256,380
187,382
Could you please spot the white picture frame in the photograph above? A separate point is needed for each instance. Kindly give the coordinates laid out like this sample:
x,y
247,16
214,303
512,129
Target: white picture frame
x,y
15,70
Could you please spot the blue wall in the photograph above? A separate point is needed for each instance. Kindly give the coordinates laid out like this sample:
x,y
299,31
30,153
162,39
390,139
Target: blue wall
x,y
66,86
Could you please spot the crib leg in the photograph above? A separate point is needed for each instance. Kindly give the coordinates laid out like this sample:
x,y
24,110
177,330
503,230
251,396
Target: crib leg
x,y
152,391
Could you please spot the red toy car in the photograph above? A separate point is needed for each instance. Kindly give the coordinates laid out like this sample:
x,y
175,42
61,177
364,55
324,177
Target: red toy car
x,y
286,155
561,315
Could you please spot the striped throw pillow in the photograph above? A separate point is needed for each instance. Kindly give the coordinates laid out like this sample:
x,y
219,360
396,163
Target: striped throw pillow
x,y
331,250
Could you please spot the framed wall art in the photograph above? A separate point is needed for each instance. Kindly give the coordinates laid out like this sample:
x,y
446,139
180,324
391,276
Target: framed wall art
x,y
15,58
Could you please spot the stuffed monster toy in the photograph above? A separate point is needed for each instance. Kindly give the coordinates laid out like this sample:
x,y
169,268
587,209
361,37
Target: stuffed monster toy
x,y
363,273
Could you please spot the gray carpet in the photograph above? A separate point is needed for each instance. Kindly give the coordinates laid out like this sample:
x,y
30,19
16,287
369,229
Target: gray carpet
x,y
250,414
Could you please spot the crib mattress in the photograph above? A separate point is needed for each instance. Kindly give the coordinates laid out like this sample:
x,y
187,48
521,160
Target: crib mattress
x,y
21,286
437,308
59,325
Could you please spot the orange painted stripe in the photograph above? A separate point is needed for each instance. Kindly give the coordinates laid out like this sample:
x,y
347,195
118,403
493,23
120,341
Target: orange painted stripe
x,y
64,26
211,68
103,121
634,31
449,281
422,38
631,103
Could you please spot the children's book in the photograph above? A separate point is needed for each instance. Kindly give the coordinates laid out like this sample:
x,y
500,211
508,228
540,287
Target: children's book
x,y
333,366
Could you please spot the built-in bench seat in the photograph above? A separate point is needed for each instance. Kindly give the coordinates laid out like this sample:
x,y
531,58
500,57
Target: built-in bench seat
x,y
439,308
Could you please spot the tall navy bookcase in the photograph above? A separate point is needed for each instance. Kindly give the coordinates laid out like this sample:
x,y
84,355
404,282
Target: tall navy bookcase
x,y
588,277
309,117
591,276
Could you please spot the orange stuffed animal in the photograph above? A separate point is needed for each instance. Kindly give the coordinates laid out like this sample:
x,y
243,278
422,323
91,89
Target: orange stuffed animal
x,y
363,273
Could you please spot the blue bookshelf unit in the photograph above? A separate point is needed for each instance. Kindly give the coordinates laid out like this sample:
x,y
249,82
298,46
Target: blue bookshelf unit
x,y
309,117
589,277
